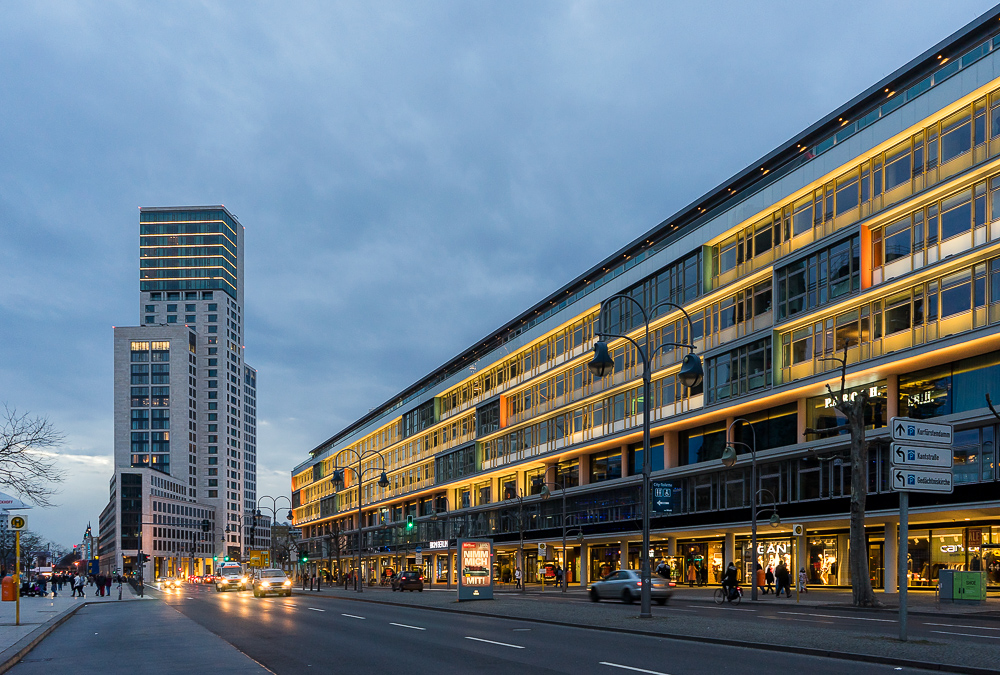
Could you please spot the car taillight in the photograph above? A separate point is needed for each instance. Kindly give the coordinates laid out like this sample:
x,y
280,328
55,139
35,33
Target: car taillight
x,y
421,578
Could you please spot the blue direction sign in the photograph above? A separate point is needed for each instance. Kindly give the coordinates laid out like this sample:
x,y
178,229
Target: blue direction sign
x,y
663,496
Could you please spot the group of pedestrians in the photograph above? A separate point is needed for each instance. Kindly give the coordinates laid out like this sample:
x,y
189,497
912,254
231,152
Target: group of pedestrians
x,y
778,579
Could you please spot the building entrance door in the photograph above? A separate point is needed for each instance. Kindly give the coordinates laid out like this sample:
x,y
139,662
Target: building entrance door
x,y
875,567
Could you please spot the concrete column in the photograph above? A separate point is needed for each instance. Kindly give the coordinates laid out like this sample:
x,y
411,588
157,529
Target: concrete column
x,y
626,468
729,555
671,546
623,555
432,577
584,565
801,558
670,443
889,555
584,469
843,556
550,475
891,404
451,568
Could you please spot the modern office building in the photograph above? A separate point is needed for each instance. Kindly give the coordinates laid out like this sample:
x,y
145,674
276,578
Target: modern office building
x,y
876,229
184,487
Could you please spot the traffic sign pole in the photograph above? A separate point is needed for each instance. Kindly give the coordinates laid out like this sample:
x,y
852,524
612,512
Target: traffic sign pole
x,y
17,577
903,554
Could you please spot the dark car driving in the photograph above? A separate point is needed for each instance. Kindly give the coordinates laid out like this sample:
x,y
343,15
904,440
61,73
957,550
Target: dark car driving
x,y
408,581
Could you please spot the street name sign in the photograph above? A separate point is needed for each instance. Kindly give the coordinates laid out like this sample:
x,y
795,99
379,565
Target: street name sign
x,y
912,480
906,430
920,456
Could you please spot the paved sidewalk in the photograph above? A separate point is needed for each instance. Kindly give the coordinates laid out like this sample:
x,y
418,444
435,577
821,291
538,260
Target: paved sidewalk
x,y
134,637
730,625
39,615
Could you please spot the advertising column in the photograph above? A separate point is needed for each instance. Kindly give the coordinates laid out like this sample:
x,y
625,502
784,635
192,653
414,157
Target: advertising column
x,y
475,569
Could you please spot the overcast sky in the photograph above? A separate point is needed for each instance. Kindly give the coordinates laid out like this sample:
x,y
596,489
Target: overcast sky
x,y
410,174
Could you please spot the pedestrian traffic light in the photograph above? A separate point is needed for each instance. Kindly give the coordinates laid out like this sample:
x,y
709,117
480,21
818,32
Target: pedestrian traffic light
x,y
409,523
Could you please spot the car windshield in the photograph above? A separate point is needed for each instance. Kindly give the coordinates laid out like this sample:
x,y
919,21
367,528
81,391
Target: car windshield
x,y
272,574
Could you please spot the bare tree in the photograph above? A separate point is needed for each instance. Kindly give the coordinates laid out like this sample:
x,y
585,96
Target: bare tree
x,y
853,409
25,467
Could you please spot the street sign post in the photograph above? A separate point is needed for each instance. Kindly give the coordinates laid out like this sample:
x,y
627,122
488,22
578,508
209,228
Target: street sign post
x,y
17,523
922,458
420,557
906,456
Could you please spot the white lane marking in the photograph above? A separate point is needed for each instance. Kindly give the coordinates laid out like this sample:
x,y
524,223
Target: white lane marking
x,y
493,642
520,629
403,625
735,609
953,625
316,610
837,616
988,637
352,616
637,670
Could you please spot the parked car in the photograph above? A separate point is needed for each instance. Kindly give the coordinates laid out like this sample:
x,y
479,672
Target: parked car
x,y
408,581
271,581
626,584
231,578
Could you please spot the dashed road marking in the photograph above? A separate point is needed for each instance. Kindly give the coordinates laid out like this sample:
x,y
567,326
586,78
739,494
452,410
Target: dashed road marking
x,y
953,625
837,616
988,637
403,625
632,668
316,610
352,616
493,642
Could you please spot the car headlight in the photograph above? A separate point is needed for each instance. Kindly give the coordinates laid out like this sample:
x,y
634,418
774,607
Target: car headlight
x,y
288,582
244,579
265,584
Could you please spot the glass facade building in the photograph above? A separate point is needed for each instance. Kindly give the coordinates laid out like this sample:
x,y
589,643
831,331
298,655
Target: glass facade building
x,y
874,234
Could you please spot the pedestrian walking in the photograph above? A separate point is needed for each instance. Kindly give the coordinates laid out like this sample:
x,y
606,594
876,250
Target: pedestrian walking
x,y
769,578
784,580
80,583
559,575
517,578
759,577
692,574
802,581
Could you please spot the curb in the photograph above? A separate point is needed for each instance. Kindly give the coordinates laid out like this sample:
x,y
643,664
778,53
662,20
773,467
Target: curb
x,y
806,651
21,648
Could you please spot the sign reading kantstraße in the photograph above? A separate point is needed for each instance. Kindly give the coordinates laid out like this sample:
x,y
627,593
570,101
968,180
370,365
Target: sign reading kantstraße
x,y
905,430
921,456
475,568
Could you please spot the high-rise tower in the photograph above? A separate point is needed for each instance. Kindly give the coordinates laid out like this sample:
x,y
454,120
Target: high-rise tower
x,y
185,400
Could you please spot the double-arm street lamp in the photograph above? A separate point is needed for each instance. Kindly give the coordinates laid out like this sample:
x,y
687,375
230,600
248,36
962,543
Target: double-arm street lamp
x,y
359,475
447,533
690,375
273,508
728,460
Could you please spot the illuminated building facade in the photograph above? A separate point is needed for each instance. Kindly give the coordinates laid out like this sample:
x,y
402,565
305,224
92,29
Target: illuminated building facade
x,y
185,400
877,228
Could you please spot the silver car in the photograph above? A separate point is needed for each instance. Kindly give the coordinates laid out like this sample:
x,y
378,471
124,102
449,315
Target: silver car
x,y
626,584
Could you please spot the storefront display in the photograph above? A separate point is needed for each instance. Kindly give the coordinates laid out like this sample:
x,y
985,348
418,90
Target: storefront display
x,y
823,560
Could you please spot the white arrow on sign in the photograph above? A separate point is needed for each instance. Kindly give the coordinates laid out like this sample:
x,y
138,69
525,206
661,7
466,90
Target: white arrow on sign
x,y
909,480
916,456
915,431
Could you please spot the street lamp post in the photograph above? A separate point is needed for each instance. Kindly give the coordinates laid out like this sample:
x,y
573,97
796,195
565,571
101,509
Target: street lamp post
x,y
728,460
274,517
690,375
359,474
512,494
447,535
545,495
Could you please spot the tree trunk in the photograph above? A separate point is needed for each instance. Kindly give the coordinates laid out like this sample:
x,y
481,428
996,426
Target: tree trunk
x,y
861,582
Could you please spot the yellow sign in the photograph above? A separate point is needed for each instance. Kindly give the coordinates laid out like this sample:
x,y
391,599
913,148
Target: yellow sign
x,y
18,522
260,559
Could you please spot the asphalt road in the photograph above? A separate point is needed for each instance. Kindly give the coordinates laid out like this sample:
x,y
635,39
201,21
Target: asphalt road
x,y
298,634
882,623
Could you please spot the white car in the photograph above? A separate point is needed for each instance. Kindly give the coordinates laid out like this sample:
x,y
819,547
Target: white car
x,y
271,581
231,578
626,584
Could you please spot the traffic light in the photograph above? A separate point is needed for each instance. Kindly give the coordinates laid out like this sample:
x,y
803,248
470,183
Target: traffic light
x,y
226,559
303,557
143,558
409,523
205,525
